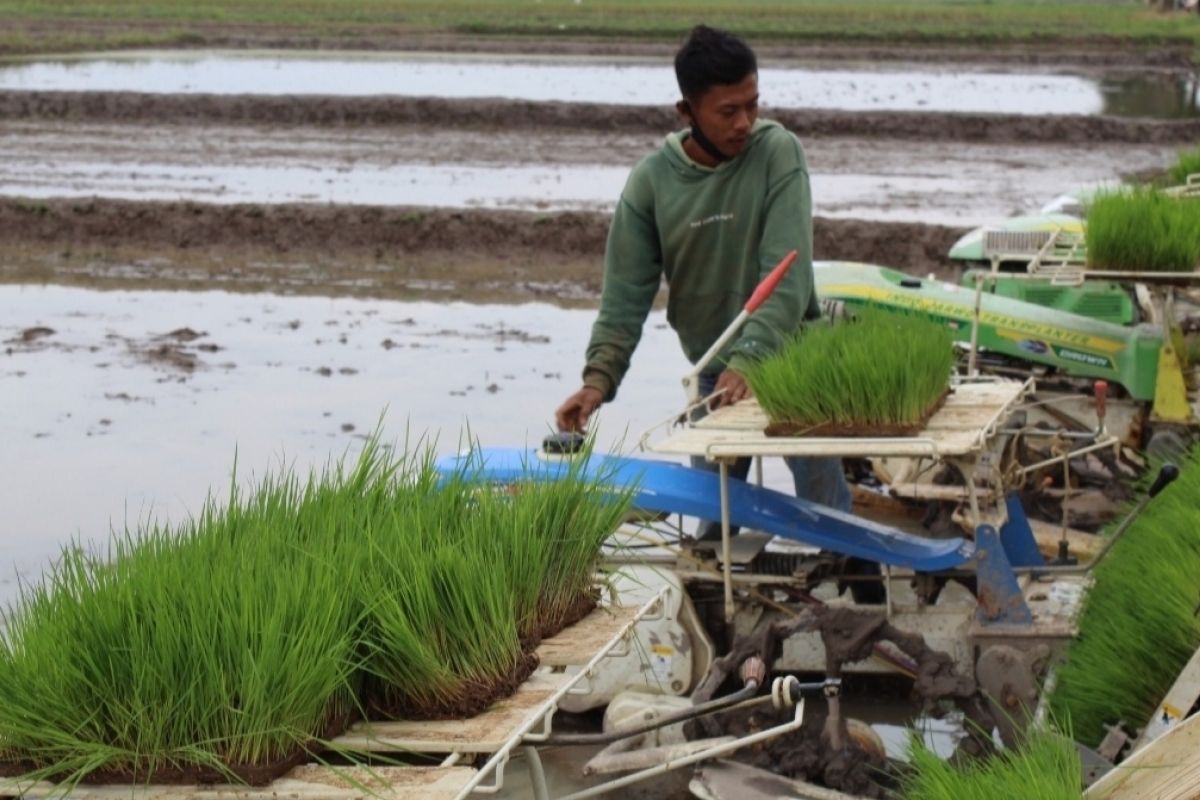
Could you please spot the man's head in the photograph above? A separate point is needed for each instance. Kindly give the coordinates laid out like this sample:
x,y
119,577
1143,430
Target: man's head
x,y
718,77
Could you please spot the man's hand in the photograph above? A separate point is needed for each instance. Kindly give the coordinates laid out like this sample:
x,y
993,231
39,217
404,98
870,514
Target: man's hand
x,y
735,387
573,415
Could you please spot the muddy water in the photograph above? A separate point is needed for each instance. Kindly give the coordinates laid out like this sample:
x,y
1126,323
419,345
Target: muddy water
x,y
969,184
121,406
275,73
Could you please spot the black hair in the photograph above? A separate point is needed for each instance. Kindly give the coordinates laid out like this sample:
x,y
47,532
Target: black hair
x,y
711,57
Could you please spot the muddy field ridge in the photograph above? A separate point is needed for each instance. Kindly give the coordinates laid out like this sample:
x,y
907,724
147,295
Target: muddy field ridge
x,y
384,251
490,114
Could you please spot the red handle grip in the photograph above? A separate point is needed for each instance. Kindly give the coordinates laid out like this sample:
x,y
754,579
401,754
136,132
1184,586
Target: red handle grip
x,y
1101,396
764,289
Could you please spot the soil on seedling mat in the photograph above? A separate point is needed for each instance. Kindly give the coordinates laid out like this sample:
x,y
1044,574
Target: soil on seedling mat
x,y
186,775
472,699
785,428
583,605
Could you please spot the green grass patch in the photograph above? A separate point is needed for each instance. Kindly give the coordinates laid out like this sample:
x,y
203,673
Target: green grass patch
x,y
879,370
1044,767
950,21
235,638
1143,229
1188,163
1139,625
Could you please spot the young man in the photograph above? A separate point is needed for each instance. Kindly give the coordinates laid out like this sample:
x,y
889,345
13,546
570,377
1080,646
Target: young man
x,y
712,211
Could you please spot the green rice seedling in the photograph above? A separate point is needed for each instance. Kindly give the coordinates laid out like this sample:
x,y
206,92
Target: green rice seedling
x,y
556,529
1044,767
1143,229
440,631
475,578
229,642
879,371
226,642
1187,164
1138,626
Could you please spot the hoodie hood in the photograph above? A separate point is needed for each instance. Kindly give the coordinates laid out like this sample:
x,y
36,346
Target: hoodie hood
x,y
683,163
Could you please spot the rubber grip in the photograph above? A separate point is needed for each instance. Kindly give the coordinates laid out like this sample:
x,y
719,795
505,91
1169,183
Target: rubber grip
x,y
764,289
1101,389
1166,474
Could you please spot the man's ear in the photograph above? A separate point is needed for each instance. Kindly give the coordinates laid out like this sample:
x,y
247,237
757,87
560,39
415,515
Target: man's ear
x,y
684,109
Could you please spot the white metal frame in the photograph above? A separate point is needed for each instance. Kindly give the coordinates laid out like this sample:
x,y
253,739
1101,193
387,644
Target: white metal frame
x,y
525,733
730,444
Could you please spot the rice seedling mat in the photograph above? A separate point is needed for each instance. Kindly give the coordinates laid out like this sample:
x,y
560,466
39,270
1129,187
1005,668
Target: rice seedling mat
x,y
483,733
575,645
961,427
302,783
509,719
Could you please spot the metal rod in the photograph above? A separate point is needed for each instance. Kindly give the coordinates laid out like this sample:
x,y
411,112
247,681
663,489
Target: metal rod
x,y
1168,473
1109,442
695,758
711,707
691,381
537,775
973,353
500,757
726,542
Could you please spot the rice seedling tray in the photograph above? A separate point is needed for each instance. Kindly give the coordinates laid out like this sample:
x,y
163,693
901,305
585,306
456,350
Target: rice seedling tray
x,y
574,646
483,733
970,415
1166,769
301,783
785,428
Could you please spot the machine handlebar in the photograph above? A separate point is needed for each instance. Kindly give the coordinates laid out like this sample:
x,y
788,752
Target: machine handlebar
x,y
768,284
1101,389
1166,474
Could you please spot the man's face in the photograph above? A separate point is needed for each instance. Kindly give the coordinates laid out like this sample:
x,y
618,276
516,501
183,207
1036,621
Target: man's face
x,y
726,113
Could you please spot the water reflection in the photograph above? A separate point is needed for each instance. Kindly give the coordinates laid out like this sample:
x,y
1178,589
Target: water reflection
x,y
119,406
960,89
1157,96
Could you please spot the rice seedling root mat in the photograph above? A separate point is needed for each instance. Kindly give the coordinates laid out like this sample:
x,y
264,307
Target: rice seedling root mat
x,y
774,429
301,783
961,426
488,731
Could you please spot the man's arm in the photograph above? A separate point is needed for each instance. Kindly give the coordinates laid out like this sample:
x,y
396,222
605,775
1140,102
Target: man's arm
x,y
632,273
787,225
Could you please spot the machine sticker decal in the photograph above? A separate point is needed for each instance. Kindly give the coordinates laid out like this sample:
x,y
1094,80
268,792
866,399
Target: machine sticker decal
x,y
1091,359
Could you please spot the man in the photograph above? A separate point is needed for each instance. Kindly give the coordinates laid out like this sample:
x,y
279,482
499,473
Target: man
x,y
712,211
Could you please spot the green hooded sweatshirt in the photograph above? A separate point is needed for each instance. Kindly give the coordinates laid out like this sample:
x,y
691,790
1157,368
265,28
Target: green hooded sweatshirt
x,y
713,233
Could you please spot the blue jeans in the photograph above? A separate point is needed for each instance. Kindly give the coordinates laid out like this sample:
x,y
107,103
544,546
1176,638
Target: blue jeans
x,y
819,480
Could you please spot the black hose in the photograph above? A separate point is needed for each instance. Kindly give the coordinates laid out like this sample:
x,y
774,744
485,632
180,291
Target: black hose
x,y
711,707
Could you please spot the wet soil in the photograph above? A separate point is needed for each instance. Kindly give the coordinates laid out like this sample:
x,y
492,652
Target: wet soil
x,y
473,698
524,169
387,252
496,114
1053,49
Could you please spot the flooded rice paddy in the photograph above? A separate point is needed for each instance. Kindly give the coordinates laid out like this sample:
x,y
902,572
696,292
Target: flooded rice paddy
x,y
925,88
125,406
968,184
